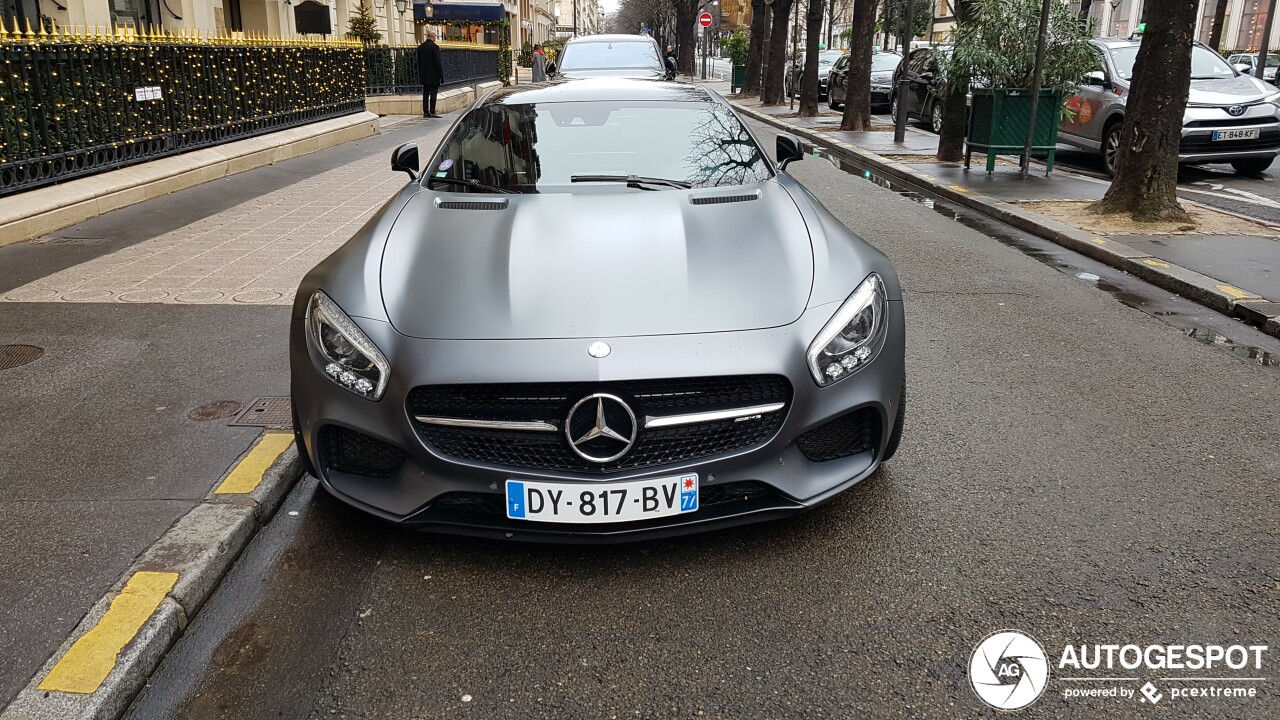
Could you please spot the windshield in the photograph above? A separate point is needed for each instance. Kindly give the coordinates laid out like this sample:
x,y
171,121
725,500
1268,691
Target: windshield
x,y
1205,63
829,57
883,62
539,148
610,55
1273,60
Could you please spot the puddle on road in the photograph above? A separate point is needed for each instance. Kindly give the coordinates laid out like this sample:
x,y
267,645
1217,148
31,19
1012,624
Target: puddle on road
x,y
1051,257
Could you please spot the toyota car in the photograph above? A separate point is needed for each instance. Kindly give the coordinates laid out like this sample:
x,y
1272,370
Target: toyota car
x,y
1231,117
598,311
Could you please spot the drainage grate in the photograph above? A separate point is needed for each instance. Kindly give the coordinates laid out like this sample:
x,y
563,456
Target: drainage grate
x,y
11,356
1257,312
270,412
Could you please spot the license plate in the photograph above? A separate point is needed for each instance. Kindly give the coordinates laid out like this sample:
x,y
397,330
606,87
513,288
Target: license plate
x,y
1244,134
602,502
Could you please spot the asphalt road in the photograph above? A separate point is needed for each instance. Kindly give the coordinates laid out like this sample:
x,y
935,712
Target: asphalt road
x,y
1075,465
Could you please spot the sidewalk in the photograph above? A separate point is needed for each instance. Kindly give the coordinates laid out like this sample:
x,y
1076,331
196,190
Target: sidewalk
x,y
1228,261
155,322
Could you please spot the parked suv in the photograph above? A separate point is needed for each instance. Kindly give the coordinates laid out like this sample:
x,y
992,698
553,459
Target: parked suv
x,y
1230,117
882,66
924,86
629,56
1247,63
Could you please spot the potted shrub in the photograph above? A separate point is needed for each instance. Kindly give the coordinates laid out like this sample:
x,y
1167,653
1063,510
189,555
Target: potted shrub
x,y
736,47
995,51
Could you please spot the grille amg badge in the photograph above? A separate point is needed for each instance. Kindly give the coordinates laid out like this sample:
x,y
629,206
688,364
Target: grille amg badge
x,y
600,428
599,349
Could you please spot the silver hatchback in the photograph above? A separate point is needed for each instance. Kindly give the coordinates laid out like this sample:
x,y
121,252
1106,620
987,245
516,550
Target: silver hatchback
x,y
1230,117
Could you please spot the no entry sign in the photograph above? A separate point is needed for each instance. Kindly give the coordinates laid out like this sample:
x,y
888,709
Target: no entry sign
x,y
704,19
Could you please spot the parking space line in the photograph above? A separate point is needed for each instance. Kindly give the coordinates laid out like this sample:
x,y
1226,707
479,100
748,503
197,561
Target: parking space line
x,y
247,474
93,656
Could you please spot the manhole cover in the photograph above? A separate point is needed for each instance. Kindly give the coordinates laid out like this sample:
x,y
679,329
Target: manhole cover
x,y
11,356
266,412
214,411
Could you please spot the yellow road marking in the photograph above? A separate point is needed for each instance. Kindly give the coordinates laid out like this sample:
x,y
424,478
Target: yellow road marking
x,y
1098,241
959,188
91,658
1234,292
248,472
1156,263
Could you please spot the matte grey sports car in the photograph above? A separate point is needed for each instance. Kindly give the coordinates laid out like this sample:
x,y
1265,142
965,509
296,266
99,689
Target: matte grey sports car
x,y
599,313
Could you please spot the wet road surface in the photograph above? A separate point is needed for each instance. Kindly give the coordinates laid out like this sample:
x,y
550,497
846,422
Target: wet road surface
x,y
1081,462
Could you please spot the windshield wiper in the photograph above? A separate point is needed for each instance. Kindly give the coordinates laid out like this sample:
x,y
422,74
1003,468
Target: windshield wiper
x,y
470,183
633,181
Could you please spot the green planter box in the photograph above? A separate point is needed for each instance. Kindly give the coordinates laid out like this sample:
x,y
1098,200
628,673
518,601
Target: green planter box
x,y
739,77
998,124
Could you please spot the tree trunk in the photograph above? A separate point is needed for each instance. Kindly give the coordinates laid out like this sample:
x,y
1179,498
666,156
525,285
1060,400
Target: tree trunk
x,y
1219,19
1146,181
755,50
686,42
809,78
955,113
771,89
857,95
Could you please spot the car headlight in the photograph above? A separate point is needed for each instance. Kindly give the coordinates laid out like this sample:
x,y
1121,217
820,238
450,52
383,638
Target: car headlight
x,y
1274,99
351,360
853,337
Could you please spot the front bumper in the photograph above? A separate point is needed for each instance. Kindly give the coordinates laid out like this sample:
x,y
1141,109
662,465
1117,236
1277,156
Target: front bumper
x,y
881,94
780,478
1200,123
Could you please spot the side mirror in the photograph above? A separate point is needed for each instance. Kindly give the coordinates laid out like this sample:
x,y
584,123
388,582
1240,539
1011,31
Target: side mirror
x,y
405,159
1244,68
788,150
1096,77
926,77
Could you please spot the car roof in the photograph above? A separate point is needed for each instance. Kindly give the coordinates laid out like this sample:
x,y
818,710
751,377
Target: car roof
x,y
597,89
617,37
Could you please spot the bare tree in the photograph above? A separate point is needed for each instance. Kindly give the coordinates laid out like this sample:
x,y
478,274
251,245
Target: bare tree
x,y
809,78
857,100
776,59
1146,181
755,50
721,152
1219,20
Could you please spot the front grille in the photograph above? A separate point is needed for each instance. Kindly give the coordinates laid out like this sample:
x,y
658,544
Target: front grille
x,y
348,451
708,496
849,434
1233,122
551,402
1269,139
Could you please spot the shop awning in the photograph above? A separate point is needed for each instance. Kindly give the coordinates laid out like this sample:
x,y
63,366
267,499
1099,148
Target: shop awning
x,y
456,12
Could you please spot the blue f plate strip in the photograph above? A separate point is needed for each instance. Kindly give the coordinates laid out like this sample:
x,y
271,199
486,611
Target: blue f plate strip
x,y
515,499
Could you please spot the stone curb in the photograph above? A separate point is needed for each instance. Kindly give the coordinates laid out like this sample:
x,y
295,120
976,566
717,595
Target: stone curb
x,y
38,212
201,547
1192,285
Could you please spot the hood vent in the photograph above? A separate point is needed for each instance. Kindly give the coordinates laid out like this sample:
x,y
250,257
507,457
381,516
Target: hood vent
x,y
718,199
472,204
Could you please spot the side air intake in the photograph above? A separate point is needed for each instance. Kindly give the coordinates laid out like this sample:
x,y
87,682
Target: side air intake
x,y
719,199
472,204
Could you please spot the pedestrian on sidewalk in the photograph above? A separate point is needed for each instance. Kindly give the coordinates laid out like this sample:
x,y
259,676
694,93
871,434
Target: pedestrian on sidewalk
x,y
430,72
670,61
539,62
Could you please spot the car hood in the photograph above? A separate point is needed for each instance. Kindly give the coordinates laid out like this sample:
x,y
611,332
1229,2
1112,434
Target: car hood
x,y
882,77
1228,91
596,264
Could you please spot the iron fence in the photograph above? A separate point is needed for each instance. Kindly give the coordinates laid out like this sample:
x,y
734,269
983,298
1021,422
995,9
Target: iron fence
x,y
394,70
73,105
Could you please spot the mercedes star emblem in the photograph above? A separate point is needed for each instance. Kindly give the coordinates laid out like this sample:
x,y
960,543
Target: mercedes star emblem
x,y
600,428
598,349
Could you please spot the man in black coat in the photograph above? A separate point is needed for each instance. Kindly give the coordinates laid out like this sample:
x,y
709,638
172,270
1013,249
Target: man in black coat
x,y
430,72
